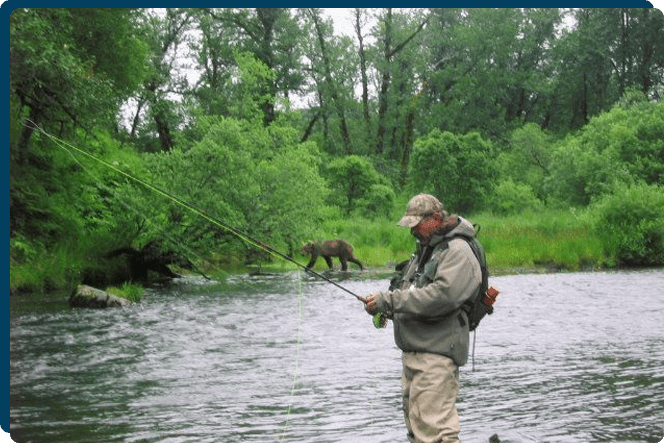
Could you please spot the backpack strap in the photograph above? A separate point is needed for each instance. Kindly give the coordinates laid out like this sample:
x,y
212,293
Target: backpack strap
x,y
480,256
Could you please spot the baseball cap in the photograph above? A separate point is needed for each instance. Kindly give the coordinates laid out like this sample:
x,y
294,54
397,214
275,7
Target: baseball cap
x,y
420,206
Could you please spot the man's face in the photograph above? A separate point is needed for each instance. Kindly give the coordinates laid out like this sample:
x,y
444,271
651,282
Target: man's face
x,y
425,228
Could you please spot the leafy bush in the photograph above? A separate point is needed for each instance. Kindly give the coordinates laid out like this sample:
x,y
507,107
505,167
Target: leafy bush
x,y
630,223
456,169
618,148
513,198
377,202
529,157
351,178
258,179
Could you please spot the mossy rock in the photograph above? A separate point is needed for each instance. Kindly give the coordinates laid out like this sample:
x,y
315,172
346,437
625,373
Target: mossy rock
x,y
88,297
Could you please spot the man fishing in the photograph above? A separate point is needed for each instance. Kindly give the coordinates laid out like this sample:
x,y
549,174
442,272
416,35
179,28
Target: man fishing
x,y
430,325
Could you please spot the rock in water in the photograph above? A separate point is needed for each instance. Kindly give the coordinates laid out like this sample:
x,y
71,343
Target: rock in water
x,y
88,297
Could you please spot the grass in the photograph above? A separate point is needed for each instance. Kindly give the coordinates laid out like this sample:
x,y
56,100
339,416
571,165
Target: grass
x,y
129,291
547,240
45,272
550,239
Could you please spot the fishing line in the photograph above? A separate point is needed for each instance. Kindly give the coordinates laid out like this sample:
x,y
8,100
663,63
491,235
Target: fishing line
x,y
296,370
166,194
124,204
64,145
379,319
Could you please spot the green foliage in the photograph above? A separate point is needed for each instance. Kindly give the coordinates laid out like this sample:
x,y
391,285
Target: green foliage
x,y
377,202
65,63
351,179
489,74
49,266
457,169
56,193
255,178
291,190
509,197
528,159
630,223
513,76
616,149
252,94
46,73
108,37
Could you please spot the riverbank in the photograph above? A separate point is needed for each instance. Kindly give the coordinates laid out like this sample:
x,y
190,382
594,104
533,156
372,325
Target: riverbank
x,y
546,242
29,278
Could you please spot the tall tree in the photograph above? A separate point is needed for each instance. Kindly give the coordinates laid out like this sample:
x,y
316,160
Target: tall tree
x,y
648,70
272,35
390,48
604,53
323,31
72,67
490,70
360,20
215,57
637,53
165,31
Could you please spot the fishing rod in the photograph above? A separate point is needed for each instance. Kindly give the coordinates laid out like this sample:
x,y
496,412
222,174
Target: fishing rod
x,y
378,319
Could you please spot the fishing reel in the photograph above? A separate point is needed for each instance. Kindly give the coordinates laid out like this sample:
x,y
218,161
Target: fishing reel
x,y
380,320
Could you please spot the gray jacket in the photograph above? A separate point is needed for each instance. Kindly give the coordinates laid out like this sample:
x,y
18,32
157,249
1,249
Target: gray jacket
x,y
426,308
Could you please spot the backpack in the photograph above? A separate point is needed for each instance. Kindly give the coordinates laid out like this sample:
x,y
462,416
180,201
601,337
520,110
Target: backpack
x,y
482,304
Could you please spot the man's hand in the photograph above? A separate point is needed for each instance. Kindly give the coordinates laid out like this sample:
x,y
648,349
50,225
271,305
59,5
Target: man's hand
x,y
375,303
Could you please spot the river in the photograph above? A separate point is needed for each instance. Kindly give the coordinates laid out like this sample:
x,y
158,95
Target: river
x,y
568,357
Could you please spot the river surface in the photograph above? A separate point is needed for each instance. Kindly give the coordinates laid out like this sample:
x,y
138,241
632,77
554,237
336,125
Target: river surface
x,y
572,358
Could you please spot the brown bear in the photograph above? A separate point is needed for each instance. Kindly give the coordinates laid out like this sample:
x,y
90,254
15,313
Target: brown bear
x,y
328,249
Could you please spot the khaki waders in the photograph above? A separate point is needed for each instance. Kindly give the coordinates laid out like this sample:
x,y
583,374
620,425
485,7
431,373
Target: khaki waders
x,y
430,386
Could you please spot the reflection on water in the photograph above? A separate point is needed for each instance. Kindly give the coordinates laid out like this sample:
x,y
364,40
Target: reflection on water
x,y
565,358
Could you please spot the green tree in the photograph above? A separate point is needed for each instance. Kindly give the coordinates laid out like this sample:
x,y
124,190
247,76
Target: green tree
x,y
509,197
65,74
617,148
156,110
215,55
350,179
325,62
396,32
360,17
378,201
457,169
489,69
272,35
292,192
607,51
250,97
249,176
528,158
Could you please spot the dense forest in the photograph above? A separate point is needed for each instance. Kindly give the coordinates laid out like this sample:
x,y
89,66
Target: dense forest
x,y
545,125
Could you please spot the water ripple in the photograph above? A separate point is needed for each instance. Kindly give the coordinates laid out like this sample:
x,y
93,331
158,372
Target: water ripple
x,y
565,358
